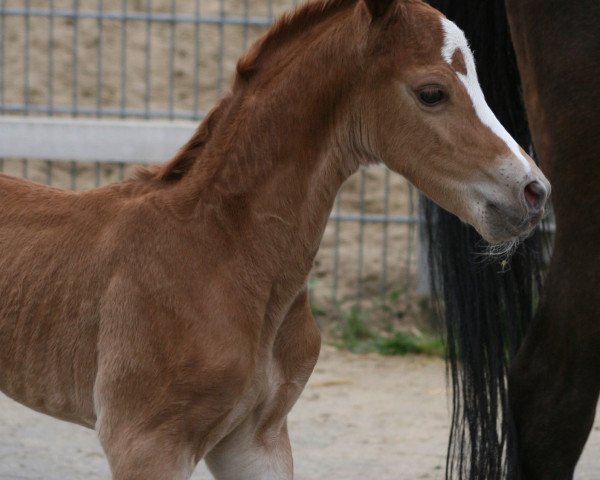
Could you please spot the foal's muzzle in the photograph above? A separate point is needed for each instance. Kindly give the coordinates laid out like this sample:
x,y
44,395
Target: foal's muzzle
x,y
516,218
535,195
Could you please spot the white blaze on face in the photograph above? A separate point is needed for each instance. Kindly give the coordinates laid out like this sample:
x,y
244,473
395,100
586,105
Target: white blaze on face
x,y
455,39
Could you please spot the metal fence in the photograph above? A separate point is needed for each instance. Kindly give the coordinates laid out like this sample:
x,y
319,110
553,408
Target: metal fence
x,y
89,89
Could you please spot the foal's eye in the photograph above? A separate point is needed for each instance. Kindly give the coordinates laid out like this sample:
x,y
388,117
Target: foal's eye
x,y
431,96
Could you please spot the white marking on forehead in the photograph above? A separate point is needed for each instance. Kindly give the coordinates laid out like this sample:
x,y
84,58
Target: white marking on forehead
x,y
455,39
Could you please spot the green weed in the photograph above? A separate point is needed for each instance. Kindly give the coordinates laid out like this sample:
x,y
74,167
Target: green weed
x,y
358,337
402,343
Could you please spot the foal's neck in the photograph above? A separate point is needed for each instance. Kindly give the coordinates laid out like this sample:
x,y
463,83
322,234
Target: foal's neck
x,y
281,153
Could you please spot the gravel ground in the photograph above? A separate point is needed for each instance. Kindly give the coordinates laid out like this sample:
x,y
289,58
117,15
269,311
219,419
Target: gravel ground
x,y
361,417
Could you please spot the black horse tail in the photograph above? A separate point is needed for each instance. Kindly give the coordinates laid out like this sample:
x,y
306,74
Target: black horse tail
x,y
486,305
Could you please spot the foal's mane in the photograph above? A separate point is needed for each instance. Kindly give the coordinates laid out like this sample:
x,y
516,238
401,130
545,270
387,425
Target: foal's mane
x,y
286,28
180,164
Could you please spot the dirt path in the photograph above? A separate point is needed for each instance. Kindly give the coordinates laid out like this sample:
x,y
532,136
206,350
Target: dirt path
x,y
360,418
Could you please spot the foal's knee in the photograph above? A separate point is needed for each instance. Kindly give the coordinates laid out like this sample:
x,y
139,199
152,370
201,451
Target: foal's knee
x,y
151,455
242,455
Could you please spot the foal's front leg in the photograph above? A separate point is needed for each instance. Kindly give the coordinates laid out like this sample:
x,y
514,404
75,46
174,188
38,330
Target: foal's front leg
x,y
153,426
259,449
245,456
146,455
162,393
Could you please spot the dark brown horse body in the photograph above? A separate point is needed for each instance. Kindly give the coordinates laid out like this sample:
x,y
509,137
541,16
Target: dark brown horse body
x,y
555,379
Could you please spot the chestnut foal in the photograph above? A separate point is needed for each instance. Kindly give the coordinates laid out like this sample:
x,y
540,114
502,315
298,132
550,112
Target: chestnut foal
x,y
169,312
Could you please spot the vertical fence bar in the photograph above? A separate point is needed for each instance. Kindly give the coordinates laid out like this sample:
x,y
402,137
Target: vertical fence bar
x,y
411,232
361,238
26,49
51,60
74,66
2,56
123,68
246,23
26,26
99,59
336,250
49,172
385,226
221,47
147,66
423,288
73,175
49,164
196,81
172,61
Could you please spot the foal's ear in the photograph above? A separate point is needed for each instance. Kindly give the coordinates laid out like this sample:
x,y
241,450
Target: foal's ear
x,y
378,8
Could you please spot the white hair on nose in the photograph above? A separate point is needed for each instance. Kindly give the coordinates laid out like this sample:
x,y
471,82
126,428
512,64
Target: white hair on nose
x,y
455,39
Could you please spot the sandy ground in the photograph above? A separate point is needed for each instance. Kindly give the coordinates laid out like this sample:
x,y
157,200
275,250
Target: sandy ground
x,y
361,417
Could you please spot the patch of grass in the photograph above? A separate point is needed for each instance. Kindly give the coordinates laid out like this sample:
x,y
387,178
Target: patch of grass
x,y
358,337
355,335
402,343
383,324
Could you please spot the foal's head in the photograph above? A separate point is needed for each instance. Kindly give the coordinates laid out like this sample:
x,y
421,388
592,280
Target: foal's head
x,y
426,118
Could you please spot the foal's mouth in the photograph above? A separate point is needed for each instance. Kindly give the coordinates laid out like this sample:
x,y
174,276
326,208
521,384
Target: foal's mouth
x,y
506,225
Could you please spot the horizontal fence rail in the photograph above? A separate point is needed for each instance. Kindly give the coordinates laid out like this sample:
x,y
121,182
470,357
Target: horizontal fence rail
x,y
127,141
136,16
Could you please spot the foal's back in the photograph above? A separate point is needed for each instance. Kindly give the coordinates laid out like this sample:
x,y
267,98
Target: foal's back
x,y
58,252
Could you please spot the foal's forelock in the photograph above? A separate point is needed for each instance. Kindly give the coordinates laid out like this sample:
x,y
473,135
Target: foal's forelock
x,y
456,52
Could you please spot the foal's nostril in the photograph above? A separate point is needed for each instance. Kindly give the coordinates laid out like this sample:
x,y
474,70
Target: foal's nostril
x,y
535,195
